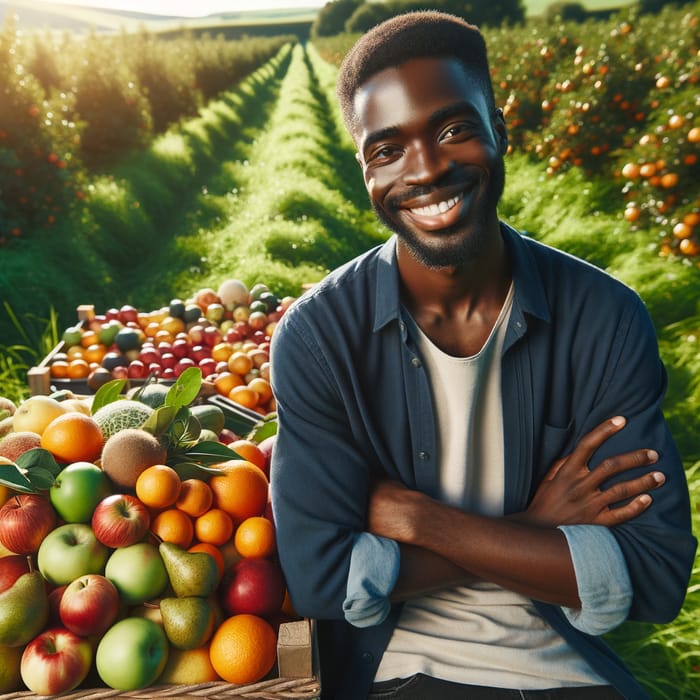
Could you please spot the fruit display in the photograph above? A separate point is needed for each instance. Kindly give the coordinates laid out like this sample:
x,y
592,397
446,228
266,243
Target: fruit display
x,y
225,332
149,561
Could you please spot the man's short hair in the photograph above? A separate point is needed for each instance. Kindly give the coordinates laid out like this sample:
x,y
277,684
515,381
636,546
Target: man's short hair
x,y
406,36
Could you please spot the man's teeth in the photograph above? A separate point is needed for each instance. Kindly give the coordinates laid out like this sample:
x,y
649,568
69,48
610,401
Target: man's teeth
x,y
439,208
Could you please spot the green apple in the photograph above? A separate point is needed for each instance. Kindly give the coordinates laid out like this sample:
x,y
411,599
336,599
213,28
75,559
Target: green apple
x,y
78,488
138,572
71,551
132,654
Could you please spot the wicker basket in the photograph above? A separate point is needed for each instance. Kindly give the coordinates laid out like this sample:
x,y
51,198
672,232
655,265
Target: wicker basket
x,y
273,689
297,659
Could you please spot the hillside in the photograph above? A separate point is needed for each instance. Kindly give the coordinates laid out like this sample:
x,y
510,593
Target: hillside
x,y
40,15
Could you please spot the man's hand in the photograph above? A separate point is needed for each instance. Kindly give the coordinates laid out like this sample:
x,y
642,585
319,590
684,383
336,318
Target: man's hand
x,y
571,493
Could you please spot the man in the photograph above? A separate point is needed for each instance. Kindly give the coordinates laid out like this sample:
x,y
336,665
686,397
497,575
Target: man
x,y
417,515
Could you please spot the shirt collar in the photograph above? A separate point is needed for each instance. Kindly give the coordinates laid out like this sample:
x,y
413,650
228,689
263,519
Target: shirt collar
x,y
530,298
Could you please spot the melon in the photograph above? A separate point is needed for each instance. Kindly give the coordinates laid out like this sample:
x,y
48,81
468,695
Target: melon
x,y
120,415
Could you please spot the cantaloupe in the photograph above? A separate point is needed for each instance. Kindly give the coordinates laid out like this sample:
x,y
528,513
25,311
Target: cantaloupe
x,y
120,415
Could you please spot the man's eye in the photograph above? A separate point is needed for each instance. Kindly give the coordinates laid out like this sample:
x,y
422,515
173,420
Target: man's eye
x,y
456,130
382,153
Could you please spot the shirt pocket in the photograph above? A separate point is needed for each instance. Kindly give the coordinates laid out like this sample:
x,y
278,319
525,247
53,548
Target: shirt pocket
x,y
556,443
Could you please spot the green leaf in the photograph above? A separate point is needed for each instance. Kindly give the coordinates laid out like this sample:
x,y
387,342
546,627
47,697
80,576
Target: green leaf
x,y
211,452
159,422
4,413
264,430
41,479
192,470
38,458
107,393
185,429
185,389
12,476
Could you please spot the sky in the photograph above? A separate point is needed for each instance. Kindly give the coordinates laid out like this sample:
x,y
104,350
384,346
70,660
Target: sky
x,y
193,8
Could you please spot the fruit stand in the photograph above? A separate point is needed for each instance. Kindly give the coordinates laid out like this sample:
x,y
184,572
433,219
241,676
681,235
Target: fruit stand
x,y
137,544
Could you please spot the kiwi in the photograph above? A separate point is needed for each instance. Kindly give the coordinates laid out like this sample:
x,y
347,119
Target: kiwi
x,y
127,453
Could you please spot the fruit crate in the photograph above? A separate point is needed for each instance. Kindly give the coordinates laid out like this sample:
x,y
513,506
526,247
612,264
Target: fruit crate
x,y
39,377
295,677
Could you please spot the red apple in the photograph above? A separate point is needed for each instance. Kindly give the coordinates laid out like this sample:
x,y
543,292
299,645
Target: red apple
x,y
149,354
25,519
182,364
208,366
128,313
254,586
211,336
137,370
266,446
120,520
200,352
89,605
55,662
11,568
168,360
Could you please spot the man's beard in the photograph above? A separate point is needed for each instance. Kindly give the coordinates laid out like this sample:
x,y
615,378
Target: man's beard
x,y
450,250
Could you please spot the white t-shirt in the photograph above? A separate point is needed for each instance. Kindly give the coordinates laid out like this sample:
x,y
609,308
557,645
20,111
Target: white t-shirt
x,y
480,634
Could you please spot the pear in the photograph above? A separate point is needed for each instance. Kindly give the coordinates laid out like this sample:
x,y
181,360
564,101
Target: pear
x,y
188,622
190,573
24,609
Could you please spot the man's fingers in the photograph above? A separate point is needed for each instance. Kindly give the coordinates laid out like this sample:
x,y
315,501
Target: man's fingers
x,y
612,466
590,442
630,489
617,516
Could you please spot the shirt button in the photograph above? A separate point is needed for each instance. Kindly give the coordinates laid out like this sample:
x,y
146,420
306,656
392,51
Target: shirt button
x,y
416,362
423,455
367,657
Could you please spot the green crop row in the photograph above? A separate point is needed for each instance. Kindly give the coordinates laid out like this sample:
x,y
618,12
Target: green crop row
x,y
615,98
74,106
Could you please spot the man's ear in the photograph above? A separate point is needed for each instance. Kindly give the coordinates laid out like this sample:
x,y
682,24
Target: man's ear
x,y
499,124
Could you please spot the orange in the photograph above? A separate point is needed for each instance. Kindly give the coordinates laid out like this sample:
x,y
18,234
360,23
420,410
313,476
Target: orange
x,y
173,525
262,388
89,338
255,537
215,527
59,369
78,368
249,450
73,437
222,351
244,396
158,486
195,497
243,649
95,352
213,551
240,490
240,363
225,381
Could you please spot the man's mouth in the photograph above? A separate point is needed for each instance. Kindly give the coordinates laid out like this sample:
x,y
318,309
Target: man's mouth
x,y
437,215
438,208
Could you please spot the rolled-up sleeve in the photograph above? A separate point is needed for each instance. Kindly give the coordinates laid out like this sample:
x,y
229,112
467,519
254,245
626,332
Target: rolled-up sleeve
x,y
604,585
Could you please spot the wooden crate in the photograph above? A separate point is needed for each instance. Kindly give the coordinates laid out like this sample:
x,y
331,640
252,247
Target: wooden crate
x,y
296,677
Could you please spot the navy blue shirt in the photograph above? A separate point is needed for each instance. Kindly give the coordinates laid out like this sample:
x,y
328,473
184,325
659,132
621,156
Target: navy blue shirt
x,y
354,401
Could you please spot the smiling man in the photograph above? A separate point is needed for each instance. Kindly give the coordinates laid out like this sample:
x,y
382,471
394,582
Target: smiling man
x,y
463,499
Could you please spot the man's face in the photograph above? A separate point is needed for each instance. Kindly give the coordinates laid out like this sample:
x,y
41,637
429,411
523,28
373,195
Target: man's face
x,y
431,150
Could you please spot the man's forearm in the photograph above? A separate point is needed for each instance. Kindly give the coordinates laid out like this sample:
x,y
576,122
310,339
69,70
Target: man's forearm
x,y
534,561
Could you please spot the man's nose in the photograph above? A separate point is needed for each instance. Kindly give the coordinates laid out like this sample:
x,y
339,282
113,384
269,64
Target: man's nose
x,y
425,163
